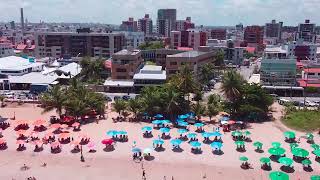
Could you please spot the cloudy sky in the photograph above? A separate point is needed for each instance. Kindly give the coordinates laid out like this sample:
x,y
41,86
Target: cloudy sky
x,y
206,12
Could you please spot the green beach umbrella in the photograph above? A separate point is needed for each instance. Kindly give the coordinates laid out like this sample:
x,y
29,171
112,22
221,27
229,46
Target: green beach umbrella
x,y
293,145
265,160
277,175
239,143
317,152
310,136
276,151
306,162
236,133
258,144
300,152
290,134
286,161
315,146
247,133
276,144
315,177
243,158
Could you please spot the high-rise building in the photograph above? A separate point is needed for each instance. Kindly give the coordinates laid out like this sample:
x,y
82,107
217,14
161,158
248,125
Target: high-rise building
x,y
220,34
12,25
190,38
239,27
273,29
80,44
130,25
145,25
22,19
166,21
253,37
306,31
183,25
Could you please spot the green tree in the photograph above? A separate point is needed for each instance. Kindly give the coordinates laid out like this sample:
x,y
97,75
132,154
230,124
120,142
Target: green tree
x,y
171,99
55,98
119,106
231,85
92,70
206,73
212,110
219,58
151,45
214,99
2,98
134,105
198,109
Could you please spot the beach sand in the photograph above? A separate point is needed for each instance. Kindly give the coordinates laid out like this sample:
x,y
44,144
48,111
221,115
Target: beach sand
x,y
118,164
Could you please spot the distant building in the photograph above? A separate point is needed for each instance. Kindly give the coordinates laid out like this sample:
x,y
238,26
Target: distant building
x,y
6,49
166,21
239,27
253,36
71,44
220,34
191,38
273,30
145,25
194,59
125,64
306,31
159,56
183,25
130,25
17,66
133,39
12,25
149,75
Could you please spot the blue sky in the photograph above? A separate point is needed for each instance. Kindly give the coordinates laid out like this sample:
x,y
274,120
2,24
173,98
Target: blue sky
x,y
206,12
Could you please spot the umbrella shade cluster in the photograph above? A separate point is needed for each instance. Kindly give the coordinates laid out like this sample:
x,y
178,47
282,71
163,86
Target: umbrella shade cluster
x,y
243,158
182,131
158,116
183,124
289,134
310,136
195,144
299,152
198,125
306,162
236,133
107,141
276,144
176,142
216,145
192,135
164,130
146,128
239,143
276,151
277,175
286,161
258,145
315,177
265,160
136,150
158,141
317,152
315,146
216,134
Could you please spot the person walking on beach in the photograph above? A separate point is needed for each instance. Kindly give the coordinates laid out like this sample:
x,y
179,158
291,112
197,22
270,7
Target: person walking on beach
x,y
144,174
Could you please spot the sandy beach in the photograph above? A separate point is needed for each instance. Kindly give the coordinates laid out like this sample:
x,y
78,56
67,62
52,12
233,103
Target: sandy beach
x,y
118,164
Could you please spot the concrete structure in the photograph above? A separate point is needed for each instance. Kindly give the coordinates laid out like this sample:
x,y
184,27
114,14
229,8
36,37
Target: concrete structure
x,y
193,59
306,31
80,44
253,37
6,50
220,34
17,66
273,30
191,38
183,25
125,64
133,39
159,56
149,75
22,20
275,72
130,25
145,25
166,21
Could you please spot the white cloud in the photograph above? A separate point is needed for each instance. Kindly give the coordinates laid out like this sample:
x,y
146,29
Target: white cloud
x,y
209,12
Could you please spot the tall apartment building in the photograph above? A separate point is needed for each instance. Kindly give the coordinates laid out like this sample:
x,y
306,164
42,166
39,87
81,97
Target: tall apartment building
x,y
239,27
130,25
133,39
253,36
145,25
166,21
306,31
125,64
273,30
220,34
183,25
190,38
78,44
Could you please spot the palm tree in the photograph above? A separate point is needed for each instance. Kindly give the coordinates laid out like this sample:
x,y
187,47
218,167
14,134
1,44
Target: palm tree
x,y
134,105
170,99
55,98
2,98
119,106
219,58
212,110
198,109
206,73
214,99
231,85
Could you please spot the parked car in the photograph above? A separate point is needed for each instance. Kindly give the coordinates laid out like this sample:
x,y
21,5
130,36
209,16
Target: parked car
x,y
283,101
126,97
311,104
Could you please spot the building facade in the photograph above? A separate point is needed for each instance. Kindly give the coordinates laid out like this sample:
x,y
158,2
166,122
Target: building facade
x,y
190,38
220,34
306,31
166,21
130,25
145,25
6,50
273,30
133,39
183,25
253,36
125,64
71,44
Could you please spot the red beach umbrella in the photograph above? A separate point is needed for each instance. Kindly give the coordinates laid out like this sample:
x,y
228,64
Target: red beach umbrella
x,y
107,141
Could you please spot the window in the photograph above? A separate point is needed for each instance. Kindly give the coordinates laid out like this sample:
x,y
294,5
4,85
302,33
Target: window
x,y
173,63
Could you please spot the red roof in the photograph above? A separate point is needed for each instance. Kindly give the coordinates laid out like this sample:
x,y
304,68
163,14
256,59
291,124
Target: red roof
x,y
312,70
303,83
21,46
299,64
251,49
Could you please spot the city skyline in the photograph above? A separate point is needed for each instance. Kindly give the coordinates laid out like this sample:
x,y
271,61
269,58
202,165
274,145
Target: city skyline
x,y
203,12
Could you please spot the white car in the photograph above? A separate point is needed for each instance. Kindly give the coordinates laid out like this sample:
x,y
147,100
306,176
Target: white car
x,y
283,101
311,104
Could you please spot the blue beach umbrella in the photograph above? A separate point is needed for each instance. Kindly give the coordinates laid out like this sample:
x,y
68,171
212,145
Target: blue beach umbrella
x,y
158,116
192,135
183,124
198,125
112,133
195,144
183,116
146,128
216,133
156,122
166,121
164,130
182,131
136,150
206,134
179,120
122,133
175,142
216,145
158,141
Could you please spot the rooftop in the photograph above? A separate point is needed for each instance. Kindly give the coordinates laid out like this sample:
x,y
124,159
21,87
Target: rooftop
x,y
275,49
119,83
189,54
127,52
16,63
312,70
151,72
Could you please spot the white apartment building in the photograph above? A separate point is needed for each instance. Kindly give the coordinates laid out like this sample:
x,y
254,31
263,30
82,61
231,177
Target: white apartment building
x,y
6,50
134,39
